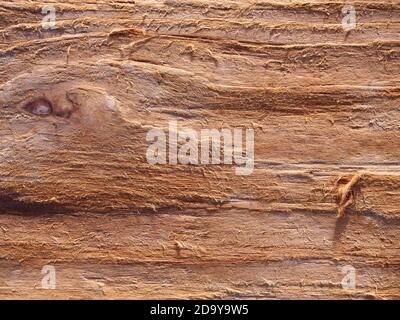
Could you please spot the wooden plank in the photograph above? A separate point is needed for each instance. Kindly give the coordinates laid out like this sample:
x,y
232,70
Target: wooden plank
x,y
76,189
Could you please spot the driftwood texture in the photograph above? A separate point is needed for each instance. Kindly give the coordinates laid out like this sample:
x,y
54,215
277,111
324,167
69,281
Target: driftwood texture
x,y
76,191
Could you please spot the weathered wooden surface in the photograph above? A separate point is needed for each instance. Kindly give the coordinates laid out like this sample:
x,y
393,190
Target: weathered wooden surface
x,y
76,191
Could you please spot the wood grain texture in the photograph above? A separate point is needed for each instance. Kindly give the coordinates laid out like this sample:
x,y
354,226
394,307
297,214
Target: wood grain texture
x,y
77,192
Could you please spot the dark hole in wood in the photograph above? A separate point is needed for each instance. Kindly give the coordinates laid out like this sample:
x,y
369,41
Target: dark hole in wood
x,y
40,107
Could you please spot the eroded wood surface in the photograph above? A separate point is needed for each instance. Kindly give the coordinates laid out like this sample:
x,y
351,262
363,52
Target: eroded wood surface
x,y
76,191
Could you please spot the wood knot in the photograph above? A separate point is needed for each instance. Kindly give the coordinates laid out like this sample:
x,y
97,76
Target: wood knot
x,y
44,107
40,107
345,191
